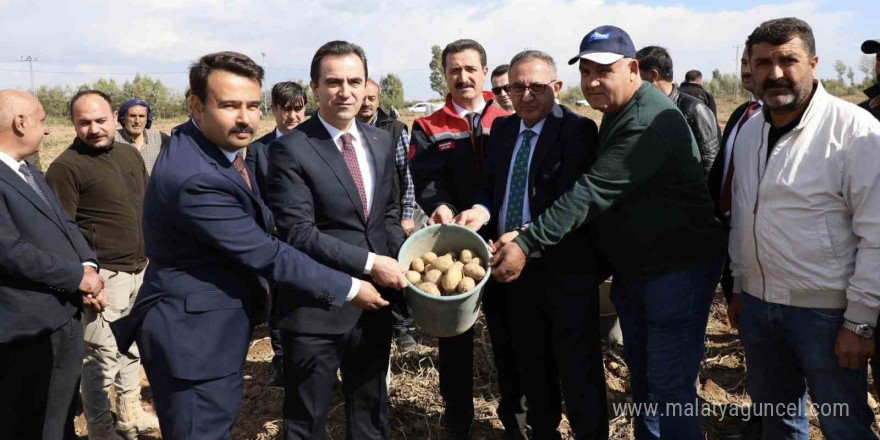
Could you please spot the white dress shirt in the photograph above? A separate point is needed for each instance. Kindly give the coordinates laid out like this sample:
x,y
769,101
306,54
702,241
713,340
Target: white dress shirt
x,y
526,214
462,112
728,147
278,133
368,171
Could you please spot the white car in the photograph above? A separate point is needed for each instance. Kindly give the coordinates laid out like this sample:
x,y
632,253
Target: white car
x,y
422,107
582,103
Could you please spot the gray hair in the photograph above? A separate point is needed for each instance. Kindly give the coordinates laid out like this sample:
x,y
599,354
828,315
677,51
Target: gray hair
x,y
531,55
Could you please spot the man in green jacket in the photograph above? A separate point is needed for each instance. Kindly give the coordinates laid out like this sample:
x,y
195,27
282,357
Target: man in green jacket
x,y
646,199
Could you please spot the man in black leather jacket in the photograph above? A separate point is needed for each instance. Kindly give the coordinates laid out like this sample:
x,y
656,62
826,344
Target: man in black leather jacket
x,y
655,66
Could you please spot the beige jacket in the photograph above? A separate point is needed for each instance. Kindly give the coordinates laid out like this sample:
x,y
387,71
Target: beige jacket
x,y
805,224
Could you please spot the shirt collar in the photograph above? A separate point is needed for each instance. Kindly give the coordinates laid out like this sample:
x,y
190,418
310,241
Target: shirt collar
x,y
536,128
278,133
9,161
462,112
336,133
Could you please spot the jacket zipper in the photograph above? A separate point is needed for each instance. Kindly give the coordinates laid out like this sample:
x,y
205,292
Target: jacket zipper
x,y
755,213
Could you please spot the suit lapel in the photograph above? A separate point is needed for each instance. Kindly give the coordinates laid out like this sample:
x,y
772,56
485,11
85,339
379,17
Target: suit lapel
x,y
14,180
380,156
546,139
220,162
509,134
324,145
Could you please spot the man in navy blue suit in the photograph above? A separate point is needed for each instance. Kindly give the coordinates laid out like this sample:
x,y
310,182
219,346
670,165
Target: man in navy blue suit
x,y
47,275
331,186
212,254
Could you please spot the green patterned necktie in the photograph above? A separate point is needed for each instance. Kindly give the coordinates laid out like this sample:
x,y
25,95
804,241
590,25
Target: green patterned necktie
x,y
518,178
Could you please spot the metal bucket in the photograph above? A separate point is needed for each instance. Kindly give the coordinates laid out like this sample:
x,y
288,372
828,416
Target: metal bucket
x,y
444,316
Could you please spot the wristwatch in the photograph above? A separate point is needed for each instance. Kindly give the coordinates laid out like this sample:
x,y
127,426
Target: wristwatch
x,y
863,330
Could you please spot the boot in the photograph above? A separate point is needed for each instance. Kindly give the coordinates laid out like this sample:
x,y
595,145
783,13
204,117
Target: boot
x,y
102,428
132,419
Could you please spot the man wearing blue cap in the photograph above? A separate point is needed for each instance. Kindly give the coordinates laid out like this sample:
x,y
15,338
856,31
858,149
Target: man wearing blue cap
x,y
136,118
646,198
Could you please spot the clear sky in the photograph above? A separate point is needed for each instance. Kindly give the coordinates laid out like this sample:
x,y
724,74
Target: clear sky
x,y
79,41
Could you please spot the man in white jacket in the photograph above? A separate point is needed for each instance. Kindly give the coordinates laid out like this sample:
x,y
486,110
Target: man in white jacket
x,y
805,242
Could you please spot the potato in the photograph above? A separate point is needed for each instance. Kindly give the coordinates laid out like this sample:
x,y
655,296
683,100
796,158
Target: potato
x,y
459,265
474,271
433,276
429,288
452,254
429,257
418,265
442,264
466,285
413,277
475,260
451,279
466,256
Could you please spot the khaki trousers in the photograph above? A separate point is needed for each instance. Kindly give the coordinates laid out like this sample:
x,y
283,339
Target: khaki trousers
x,y
103,365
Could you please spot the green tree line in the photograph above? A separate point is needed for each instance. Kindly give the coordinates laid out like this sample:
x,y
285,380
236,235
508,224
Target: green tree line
x,y
164,102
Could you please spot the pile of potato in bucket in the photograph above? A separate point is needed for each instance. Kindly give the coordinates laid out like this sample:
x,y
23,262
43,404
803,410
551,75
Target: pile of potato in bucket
x,y
450,274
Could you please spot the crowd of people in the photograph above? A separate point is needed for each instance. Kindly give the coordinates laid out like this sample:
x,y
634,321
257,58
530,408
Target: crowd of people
x,y
141,249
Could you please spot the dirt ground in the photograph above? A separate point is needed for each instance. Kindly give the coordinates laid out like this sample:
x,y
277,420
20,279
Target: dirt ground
x,y
415,406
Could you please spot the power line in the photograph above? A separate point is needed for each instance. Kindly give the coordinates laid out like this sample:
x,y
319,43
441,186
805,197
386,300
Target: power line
x,y
30,60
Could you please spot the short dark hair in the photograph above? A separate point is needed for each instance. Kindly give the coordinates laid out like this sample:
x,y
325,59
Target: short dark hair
x,y
461,46
232,62
782,30
500,70
655,58
692,75
288,93
336,48
85,92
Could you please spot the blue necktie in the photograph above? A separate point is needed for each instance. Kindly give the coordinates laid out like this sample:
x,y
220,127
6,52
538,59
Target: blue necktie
x,y
23,169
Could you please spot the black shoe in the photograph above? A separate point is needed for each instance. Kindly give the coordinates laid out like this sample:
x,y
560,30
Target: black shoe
x,y
406,343
276,379
750,429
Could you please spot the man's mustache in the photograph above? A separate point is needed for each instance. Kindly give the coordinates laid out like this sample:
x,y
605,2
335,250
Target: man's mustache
x,y
242,129
462,85
777,84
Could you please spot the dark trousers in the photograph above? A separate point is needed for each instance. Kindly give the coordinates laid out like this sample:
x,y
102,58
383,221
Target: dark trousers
x,y
310,365
39,378
457,367
556,339
275,332
194,410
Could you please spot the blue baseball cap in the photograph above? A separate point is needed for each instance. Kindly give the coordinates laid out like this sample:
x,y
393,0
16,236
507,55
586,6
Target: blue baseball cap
x,y
605,45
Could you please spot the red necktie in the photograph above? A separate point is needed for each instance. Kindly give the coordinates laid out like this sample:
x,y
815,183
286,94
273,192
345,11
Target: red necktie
x,y
238,163
726,195
351,160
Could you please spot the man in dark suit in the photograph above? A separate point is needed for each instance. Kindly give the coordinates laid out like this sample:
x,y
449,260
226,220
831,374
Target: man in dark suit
x,y
289,107
719,180
289,102
331,188
47,275
534,157
211,258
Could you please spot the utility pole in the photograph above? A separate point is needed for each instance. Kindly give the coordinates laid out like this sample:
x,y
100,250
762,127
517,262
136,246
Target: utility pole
x,y
30,60
261,87
737,50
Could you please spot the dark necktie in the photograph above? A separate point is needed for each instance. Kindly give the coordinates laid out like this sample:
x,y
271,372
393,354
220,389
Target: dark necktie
x,y
518,177
24,169
475,126
352,162
726,194
239,165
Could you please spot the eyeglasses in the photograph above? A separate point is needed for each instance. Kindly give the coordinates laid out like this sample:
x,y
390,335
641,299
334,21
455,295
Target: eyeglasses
x,y
505,88
534,88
